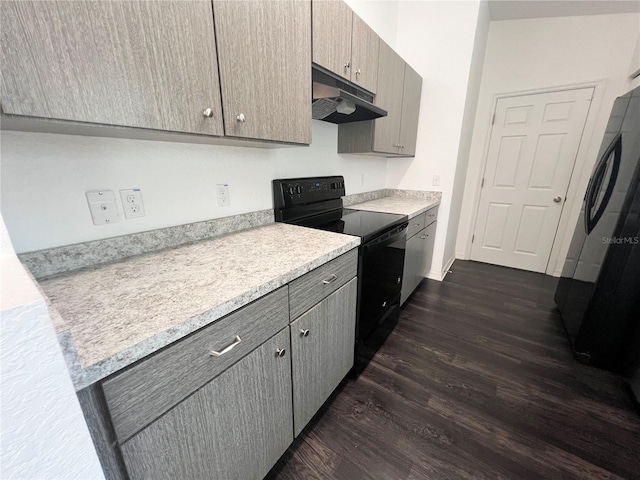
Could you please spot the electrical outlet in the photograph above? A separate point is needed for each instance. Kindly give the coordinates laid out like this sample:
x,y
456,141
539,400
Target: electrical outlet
x,y
132,203
102,205
222,193
436,180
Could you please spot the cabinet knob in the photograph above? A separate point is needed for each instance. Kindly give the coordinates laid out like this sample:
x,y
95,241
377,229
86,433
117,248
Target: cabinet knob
x,y
208,113
358,72
347,65
384,304
280,352
557,199
304,333
241,118
399,280
397,145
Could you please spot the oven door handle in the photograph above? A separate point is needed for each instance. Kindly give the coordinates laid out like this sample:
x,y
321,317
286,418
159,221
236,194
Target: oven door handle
x,y
385,240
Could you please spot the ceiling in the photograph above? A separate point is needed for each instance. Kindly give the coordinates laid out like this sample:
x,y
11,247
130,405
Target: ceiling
x,y
514,9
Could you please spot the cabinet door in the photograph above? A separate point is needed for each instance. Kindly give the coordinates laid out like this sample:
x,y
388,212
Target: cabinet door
x,y
235,427
264,51
322,344
332,27
412,259
410,111
386,135
428,236
365,48
134,63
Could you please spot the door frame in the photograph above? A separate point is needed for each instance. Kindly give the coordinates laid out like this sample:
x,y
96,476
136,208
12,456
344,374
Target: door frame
x,y
562,236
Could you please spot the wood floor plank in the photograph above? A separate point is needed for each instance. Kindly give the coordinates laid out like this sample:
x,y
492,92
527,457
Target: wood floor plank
x,y
476,381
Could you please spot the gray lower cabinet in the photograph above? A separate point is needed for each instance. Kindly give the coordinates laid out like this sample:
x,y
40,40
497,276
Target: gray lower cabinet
x,y
136,63
417,261
235,427
322,349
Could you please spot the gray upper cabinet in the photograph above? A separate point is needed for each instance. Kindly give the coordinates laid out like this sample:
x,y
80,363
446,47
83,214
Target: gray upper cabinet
x,y
264,51
322,344
332,25
344,44
412,94
235,427
365,48
390,88
136,63
399,91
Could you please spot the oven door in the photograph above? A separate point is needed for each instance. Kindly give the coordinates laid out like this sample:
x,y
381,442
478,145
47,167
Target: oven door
x,y
382,262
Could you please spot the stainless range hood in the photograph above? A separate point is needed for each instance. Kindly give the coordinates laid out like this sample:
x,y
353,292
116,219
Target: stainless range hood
x,y
336,101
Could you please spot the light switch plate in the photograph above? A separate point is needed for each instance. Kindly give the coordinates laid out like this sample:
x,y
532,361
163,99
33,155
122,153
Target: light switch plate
x,y
132,203
102,204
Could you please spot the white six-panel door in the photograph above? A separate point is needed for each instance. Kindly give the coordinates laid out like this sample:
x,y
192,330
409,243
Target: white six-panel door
x,y
532,151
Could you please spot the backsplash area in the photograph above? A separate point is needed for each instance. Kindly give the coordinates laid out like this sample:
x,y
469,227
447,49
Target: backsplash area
x,y
45,177
47,262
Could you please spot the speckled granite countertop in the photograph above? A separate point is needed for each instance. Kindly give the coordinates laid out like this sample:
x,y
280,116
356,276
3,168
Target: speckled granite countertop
x,y
396,204
111,315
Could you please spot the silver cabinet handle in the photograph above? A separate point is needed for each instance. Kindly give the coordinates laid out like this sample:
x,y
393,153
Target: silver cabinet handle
x,y
331,279
347,65
280,352
557,199
384,304
422,237
227,349
208,113
417,225
241,118
397,145
358,72
304,333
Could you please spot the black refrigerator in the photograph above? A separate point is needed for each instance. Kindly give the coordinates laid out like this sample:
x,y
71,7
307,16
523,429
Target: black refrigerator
x,y
598,294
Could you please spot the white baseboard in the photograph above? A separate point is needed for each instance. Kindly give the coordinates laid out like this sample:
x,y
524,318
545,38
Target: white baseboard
x,y
439,276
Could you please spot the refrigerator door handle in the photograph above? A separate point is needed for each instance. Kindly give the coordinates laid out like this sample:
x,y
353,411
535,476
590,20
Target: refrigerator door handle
x,y
612,153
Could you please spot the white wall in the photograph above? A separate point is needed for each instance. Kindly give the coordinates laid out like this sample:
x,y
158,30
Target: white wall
x,y
45,177
437,39
381,15
525,55
44,435
466,131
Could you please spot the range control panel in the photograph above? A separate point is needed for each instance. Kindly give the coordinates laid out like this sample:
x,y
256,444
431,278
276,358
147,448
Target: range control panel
x,y
299,191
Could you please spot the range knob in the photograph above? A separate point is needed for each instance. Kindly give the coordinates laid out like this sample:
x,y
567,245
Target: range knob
x,y
299,189
291,190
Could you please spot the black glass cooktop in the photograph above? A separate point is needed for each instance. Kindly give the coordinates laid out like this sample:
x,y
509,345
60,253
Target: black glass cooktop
x,y
360,223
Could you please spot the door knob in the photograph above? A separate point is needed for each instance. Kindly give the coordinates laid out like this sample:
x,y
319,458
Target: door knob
x,y
557,199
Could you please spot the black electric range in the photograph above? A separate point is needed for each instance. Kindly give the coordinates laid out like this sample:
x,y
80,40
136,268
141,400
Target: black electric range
x,y
316,202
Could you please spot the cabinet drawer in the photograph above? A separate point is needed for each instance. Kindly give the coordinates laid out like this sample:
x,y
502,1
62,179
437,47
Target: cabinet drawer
x,y
142,393
431,216
416,224
306,291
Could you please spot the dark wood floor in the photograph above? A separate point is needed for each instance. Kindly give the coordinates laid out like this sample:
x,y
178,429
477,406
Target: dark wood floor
x,y
476,381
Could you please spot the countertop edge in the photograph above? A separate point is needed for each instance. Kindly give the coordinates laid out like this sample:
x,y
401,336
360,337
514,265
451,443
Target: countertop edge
x,y
83,377
433,203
